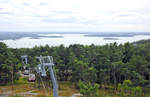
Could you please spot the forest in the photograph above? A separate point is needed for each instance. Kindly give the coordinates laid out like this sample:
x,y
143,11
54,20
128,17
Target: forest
x,y
124,68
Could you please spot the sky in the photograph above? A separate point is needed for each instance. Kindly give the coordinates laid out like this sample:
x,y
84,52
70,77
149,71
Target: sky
x,y
75,15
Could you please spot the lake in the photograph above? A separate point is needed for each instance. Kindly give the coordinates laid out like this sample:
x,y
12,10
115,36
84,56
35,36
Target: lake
x,y
68,39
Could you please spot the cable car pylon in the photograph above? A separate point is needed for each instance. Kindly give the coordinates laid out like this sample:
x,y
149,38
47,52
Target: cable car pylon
x,y
47,61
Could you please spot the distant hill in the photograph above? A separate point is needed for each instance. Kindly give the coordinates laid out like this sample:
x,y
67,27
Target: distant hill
x,y
35,35
142,41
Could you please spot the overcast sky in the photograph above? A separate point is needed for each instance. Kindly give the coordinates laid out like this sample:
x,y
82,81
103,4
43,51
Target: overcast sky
x,y
75,15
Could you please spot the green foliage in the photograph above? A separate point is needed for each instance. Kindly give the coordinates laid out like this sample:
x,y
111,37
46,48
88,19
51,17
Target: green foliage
x,y
8,63
17,96
88,89
128,90
22,80
106,65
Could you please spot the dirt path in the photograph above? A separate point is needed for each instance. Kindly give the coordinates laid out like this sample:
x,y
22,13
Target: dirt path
x,y
28,94
76,95
5,94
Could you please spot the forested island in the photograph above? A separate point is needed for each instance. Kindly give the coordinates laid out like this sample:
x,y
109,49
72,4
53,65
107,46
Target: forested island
x,y
123,70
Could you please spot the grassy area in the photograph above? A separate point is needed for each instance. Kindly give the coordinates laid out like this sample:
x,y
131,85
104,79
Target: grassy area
x,y
107,93
22,80
23,88
65,89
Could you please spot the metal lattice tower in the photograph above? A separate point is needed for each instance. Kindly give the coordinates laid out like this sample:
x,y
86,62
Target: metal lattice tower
x,y
24,59
47,61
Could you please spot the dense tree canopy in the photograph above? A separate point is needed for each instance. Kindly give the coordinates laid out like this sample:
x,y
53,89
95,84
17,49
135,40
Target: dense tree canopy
x,y
108,64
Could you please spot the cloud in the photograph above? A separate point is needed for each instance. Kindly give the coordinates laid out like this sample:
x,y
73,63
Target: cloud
x,y
75,15
25,4
63,12
59,20
6,13
44,3
126,15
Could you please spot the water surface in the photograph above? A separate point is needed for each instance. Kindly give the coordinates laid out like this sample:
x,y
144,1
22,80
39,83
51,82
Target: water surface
x,y
68,39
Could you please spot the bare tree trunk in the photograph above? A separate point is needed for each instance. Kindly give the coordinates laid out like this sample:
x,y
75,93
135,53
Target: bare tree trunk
x,y
115,80
12,78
